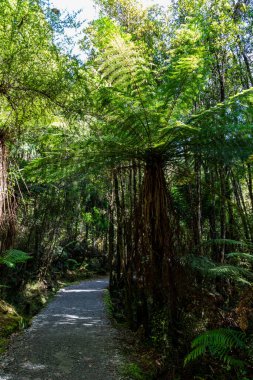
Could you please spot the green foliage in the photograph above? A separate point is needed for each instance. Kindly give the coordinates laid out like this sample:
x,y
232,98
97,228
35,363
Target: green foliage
x,y
133,371
72,264
237,274
96,218
108,303
228,242
33,70
3,345
219,343
208,268
248,257
174,91
10,322
160,331
12,257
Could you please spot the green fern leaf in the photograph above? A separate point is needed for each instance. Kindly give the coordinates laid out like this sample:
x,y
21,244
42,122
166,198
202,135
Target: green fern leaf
x,y
194,354
12,257
219,343
240,255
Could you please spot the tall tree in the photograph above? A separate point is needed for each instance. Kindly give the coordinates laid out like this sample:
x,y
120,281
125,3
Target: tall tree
x,y
146,111
33,74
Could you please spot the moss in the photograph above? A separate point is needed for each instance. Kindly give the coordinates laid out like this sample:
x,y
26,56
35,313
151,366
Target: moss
x,y
108,303
133,372
8,325
3,344
33,298
10,322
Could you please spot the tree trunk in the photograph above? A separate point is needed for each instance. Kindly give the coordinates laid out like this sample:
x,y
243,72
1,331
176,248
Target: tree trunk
x,y
111,238
7,202
3,181
241,206
198,211
223,225
250,187
119,232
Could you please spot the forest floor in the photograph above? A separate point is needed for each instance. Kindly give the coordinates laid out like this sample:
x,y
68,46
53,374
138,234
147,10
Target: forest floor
x,y
71,339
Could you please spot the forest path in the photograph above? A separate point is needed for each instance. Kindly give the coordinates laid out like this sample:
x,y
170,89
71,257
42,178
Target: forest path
x,y
71,339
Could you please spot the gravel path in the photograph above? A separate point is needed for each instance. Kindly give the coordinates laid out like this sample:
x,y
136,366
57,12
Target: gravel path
x,y
71,339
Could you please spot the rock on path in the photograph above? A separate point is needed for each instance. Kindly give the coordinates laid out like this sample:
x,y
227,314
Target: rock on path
x,y
71,339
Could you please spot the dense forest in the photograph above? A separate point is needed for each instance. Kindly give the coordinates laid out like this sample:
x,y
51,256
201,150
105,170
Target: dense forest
x,y
137,161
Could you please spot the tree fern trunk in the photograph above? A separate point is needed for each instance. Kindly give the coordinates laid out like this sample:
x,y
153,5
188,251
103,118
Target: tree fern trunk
x,y
158,250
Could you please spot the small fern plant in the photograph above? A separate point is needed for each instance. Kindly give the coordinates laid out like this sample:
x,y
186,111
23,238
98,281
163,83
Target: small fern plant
x,y
220,343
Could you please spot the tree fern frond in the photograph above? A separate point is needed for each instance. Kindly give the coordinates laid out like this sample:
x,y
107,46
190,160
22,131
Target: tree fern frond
x,y
241,101
201,264
231,124
227,242
240,255
232,272
123,65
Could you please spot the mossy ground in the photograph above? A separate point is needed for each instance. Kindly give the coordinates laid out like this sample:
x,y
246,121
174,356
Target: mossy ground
x,y
10,322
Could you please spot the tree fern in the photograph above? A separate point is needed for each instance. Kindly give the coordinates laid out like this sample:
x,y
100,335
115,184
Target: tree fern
x,y
137,97
140,107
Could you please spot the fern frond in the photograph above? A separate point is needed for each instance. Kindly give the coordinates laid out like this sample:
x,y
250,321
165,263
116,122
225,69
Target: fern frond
x,y
231,124
238,102
219,343
233,362
124,65
127,89
232,272
200,264
208,268
227,242
12,257
195,354
240,255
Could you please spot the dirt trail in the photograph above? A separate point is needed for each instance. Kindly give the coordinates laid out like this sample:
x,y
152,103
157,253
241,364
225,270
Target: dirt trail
x,y
71,339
